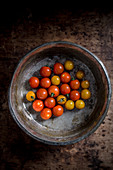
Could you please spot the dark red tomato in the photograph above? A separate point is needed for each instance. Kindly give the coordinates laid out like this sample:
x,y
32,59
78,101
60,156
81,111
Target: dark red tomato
x,y
50,102
42,93
65,77
58,110
45,71
65,89
34,82
75,84
53,91
45,82
58,68
74,95
38,105
46,113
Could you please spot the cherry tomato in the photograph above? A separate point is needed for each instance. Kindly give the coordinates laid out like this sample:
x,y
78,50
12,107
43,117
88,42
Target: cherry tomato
x,y
85,84
65,89
80,74
58,68
74,95
45,82
55,80
45,71
38,105
69,105
46,113
50,102
61,99
34,82
53,91
75,84
30,96
85,94
65,77
69,65
41,93
79,104
58,110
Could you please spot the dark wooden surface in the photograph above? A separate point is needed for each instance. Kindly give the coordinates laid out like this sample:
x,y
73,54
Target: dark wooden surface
x,y
20,32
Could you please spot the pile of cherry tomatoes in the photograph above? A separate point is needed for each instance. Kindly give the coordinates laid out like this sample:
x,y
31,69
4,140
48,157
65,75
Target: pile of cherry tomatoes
x,y
59,90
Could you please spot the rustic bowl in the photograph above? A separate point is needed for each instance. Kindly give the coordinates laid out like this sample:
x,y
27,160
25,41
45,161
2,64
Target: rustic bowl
x,y
74,125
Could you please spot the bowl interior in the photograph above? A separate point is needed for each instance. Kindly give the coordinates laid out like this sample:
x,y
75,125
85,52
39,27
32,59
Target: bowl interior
x,y
72,125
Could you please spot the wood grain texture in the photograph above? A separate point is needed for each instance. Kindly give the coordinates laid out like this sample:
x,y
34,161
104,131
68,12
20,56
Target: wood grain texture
x,y
92,29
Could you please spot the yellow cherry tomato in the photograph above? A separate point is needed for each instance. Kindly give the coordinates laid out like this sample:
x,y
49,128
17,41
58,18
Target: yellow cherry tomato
x,y
85,84
61,99
55,80
30,96
80,74
79,104
85,94
69,105
69,65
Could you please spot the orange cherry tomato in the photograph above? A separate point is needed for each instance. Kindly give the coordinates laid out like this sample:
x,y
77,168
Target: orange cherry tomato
x,y
45,71
53,91
50,102
65,77
30,96
55,80
45,82
34,82
42,93
58,68
79,104
74,95
85,84
85,94
65,89
61,99
58,110
80,74
46,113
75,84
38,105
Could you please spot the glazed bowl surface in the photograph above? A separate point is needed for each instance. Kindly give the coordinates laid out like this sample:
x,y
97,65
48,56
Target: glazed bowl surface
x,y
74,125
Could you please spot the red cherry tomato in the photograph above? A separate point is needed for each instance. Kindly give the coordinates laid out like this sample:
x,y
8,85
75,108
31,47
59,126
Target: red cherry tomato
x,y
34,82
65,89
74,95
53,91
45,82
42,93
38,105
45,71
75,84
65,77
46,113
58,68
58,110
50,102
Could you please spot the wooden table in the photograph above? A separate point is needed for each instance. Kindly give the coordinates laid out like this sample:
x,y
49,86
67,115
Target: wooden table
x,y
92,29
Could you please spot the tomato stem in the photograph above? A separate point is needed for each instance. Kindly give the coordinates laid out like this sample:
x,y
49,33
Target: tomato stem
x,y
67,95
32,97
73,78
61,100
52,94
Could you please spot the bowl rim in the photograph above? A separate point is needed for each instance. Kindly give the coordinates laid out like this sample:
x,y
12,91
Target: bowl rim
x,y
98,123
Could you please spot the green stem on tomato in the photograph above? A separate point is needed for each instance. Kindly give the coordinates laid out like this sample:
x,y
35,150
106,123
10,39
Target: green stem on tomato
x,y
32,97
72,78
67,95
52,94
61,100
